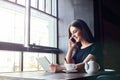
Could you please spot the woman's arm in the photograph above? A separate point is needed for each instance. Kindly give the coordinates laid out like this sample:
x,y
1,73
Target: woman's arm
x,y
81,65
89,57
69,56
71,47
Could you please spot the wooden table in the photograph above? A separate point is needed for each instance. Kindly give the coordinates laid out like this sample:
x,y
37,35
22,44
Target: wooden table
x,y
40,75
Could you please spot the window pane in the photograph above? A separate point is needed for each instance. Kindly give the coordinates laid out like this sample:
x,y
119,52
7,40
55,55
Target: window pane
x,y
43,29
22,2
34,3
41,5
9,61
12,0
48,6
12,23
30,62
54,10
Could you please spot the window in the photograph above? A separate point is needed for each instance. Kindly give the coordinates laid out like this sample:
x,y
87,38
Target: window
x,y
12,0
22,2
12,23
42,33
45,28
9,61
30,63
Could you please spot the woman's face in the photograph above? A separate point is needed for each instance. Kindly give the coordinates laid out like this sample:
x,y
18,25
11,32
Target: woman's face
x,y
76,33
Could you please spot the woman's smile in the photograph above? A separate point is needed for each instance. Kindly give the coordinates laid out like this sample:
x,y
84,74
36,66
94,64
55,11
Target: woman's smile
x,y
76,34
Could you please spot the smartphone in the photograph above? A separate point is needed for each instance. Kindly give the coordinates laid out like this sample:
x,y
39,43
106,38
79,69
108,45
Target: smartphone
x,y
73,40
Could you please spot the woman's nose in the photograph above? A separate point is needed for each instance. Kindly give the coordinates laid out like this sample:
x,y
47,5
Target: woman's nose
x,y
73,35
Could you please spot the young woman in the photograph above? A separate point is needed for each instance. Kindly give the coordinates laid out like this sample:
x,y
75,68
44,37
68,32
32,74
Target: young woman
x,y
81,42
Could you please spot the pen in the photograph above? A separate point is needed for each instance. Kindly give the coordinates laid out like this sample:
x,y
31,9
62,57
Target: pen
x,y
65,60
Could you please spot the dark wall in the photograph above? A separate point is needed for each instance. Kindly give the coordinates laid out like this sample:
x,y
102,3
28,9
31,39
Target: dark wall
x,y
111,23
111,45
83,9
107,18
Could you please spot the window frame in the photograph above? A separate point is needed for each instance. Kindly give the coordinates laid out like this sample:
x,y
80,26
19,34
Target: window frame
x,y
8,46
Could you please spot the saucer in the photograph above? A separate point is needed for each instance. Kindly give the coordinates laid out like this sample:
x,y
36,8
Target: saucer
x,y
70,71
109,70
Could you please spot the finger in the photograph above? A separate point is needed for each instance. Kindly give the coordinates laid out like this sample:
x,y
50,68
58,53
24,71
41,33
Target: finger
x,y
70,38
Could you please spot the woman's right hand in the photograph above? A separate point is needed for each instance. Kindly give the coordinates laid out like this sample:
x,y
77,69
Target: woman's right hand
x,y
71,47
71,44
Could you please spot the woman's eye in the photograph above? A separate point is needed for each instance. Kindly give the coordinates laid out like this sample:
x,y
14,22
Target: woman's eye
x,y
75,31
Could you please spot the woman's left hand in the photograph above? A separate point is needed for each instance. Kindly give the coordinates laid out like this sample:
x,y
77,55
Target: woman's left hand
x,y
56,68
53,67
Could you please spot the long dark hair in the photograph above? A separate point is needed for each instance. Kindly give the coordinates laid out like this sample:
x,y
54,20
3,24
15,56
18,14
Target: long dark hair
x,y
85,31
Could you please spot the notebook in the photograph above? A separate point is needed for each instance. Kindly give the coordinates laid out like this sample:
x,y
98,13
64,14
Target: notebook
x,y
44,62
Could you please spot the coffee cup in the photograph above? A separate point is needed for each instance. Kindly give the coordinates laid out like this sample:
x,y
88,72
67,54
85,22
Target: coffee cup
x,y
70,66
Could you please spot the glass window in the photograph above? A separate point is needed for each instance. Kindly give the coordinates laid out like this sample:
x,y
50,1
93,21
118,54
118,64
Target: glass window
x,y
12,0
54,7
41,5
43,29
9,61
43,32
30,62
12,24
48,6
34,3
22,2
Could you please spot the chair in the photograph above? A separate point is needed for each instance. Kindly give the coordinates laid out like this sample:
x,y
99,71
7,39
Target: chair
x,y
108,77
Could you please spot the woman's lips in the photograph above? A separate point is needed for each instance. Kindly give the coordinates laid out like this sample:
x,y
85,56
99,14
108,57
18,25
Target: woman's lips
x,y
77,39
